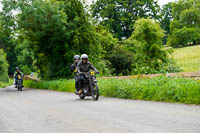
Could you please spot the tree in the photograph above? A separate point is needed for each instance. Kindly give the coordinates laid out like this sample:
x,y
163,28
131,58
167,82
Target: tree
x,y
7,28
3,67
166,14
150,56
25,56
119,16
185,27
56,31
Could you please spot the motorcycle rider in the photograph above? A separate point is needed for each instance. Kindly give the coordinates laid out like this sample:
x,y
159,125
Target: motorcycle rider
x,y
16,73
74,70
83,67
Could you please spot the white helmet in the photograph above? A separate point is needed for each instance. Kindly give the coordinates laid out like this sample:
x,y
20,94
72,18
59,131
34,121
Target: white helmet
x,y
84,56
76,57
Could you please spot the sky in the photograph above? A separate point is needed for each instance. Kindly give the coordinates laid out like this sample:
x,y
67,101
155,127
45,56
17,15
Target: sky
x,y
163,2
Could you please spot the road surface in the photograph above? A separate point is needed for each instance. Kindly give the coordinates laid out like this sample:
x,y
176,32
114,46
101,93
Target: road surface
x,y
42,111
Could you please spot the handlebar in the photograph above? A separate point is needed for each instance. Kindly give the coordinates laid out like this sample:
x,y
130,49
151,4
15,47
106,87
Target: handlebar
x,y
91,73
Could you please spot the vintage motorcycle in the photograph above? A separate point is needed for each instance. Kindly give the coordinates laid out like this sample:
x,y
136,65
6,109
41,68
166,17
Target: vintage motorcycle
x,y
19,85
90,87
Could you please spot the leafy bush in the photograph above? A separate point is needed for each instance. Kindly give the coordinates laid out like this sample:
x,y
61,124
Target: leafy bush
x,y
5,84
185,25
151,57
121,60
3,67
181,37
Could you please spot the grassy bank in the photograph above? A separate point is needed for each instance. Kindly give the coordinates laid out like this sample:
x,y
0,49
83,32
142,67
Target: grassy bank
x,y
188,58
155,89
5,84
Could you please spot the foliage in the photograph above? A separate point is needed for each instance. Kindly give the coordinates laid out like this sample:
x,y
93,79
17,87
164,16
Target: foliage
x,y
18,53
107,40
150,53
59,85
5,84
3,67
25,56
185,27
166,14
121,60
107,43
119,16
57,30
155,89
7,27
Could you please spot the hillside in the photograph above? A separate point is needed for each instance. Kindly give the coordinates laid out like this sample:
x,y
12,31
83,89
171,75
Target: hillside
x,y
188,58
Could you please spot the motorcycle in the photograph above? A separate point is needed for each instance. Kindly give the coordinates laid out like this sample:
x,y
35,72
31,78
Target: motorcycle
x,y
90,87
19,82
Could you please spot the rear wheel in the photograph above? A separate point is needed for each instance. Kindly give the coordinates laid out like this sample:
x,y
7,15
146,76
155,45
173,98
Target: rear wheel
x,y
95,92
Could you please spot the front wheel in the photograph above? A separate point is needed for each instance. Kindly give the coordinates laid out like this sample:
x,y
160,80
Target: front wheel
x,y
81,96
19,86
95,92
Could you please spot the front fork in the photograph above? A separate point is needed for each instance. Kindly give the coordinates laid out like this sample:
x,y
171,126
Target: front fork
x,y
88,88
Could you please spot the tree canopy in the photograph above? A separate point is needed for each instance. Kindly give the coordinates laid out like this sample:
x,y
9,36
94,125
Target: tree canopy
x,y
121,37
150,56
119,16
185,27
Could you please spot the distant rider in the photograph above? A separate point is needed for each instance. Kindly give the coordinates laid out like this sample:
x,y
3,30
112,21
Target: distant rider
x,y
16,73
83,67
74,70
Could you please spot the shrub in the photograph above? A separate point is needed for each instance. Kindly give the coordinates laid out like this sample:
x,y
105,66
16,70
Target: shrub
x,y
121,60
3,67
150,53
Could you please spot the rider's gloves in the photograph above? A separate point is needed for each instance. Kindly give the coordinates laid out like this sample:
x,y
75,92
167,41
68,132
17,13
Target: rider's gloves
x,y
80,73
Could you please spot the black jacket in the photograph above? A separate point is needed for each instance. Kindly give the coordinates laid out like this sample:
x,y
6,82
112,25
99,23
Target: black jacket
x,y
74,68
85,67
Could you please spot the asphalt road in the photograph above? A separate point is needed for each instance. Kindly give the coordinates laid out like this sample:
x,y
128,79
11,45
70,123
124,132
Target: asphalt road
x,y
41,111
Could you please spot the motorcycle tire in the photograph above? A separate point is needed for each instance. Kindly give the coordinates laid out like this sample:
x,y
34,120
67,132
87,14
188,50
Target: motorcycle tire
x,y
81,96
95,92
19,86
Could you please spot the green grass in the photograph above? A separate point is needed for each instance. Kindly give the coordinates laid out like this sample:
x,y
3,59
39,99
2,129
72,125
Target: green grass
x,y
5,84
155,89
58,85
188,58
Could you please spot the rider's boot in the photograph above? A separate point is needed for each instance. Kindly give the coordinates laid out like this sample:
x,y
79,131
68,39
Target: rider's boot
x,y
80,91
76,92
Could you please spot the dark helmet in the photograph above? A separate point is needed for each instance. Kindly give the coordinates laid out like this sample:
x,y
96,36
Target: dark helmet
x,y
76,57
84,57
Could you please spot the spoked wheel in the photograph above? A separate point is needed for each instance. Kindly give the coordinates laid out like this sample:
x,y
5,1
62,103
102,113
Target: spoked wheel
x,y
19,86
81,96
95,92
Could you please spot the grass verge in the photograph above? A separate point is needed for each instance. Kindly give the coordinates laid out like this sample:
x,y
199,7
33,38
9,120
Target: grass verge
x,y
188,58
5,84
155,89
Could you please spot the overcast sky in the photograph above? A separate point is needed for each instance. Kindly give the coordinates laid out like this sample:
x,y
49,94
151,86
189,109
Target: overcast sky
x,y
162,2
